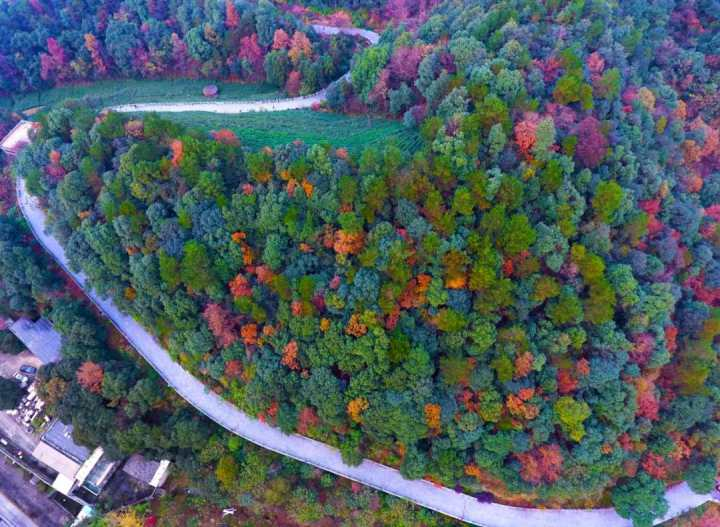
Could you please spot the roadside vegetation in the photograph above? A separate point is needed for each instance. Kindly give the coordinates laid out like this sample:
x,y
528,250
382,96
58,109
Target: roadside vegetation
x,y
527,303
115,400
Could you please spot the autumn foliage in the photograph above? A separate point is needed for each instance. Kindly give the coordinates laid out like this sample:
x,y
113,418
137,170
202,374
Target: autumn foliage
x,y
90,376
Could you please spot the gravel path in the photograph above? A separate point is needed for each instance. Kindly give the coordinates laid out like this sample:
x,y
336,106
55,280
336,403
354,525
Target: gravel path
x,y
236,107
318,454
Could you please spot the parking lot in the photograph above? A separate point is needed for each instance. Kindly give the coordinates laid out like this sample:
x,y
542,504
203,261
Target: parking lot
x,y
10,364
17,433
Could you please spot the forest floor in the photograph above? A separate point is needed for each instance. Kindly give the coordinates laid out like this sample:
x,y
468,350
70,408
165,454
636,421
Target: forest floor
x,y
260,129
123,91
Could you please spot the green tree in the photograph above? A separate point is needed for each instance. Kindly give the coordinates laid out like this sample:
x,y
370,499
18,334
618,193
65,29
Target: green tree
x,y
571,414
10,394
367,68
607,200
701,475
640,499
196,267
517,235
227,471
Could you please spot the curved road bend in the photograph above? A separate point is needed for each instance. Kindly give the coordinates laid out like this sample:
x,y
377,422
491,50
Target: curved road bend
x,y
370,473
233,107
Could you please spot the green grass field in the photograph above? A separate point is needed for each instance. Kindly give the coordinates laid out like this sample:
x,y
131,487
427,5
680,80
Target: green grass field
x,y
260,129
113,92
255,130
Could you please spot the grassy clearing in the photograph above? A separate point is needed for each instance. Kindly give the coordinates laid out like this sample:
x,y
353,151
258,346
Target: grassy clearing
x,y
260,129
113,92
254,129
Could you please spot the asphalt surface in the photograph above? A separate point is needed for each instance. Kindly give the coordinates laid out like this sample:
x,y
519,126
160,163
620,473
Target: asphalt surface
x,y
25,503
15,432
12,516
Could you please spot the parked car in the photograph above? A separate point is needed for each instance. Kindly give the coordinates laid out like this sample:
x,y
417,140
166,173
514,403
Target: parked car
x,y
28,370
22,379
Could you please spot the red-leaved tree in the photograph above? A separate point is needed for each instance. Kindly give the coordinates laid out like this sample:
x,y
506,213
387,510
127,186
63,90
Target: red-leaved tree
x,y
542,464
251,52
281,40
592,144
90,376
221,324
232,19
93,46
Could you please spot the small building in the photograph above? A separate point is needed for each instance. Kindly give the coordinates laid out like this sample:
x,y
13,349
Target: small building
x,y
39,337
152,473
17,138
76,466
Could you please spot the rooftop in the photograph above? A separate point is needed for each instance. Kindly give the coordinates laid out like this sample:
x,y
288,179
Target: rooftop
x,y
59,436
59,462
39,337
99,469
147,471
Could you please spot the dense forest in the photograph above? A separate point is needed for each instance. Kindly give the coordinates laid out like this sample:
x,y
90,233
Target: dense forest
x,y
52,43
529,305
117,402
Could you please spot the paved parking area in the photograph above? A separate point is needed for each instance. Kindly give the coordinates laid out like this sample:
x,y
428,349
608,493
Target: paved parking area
x,y
15,432
10,364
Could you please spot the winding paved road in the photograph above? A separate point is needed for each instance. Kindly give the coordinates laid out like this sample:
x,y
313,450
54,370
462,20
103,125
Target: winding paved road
x,y
370,473
235,107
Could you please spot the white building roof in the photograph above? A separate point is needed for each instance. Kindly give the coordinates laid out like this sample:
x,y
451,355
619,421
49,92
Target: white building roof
x,y
75,464
17,138
153,473
56,460
63,484
161,475
89,464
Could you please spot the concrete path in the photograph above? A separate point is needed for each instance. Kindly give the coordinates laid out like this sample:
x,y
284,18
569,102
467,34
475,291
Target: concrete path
x,y
370,473
272,105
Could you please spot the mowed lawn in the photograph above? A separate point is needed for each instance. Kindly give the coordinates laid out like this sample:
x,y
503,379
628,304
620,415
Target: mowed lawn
x,y
260,129
114,92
